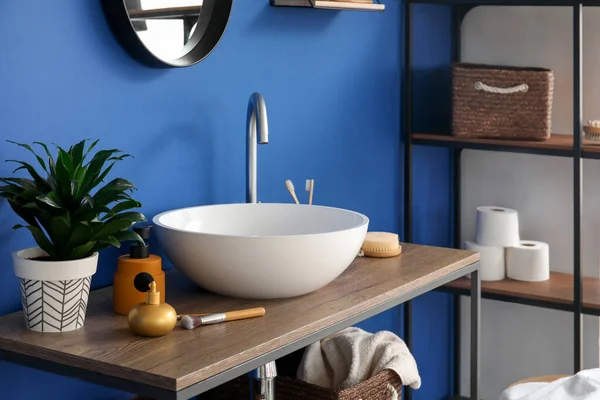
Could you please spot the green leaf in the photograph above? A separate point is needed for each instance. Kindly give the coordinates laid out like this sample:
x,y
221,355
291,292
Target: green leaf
x,y
88,200
45,149
63,180
103,174
76,153
123,206
113,191
119,184
23,182
82,251
24,214
120,158
43,183
109,228
99,246
131,216
81,234
79,176
59,229
52,167
91,147
50,201
111,240
65,160
128,235
11,189
94,169
28,147
40,239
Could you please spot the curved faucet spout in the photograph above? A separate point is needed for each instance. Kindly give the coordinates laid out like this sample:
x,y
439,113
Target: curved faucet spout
x,y
257,128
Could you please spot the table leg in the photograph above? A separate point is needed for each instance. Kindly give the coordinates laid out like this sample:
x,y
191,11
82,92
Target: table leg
x,y
475,333
263,384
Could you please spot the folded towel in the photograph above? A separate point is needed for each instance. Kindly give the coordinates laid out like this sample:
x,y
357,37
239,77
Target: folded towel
x,y
584,385
353,355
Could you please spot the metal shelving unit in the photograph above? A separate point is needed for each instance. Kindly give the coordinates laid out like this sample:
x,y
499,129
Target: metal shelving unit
x,y
577,301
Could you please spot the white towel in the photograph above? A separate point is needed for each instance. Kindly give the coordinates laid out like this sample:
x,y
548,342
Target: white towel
x,y
584,385
353,355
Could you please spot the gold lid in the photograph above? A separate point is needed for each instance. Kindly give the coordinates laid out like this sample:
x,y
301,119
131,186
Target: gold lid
x,y
152,295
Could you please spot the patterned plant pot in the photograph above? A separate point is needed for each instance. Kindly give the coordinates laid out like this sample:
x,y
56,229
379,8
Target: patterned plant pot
x,y
54,294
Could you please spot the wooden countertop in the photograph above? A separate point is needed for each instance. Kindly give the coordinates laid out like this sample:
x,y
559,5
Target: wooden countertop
x,y
105,347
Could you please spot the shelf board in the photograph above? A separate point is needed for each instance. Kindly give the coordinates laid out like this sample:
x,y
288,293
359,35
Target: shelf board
x,y
331,5
557,145
166,13
555,293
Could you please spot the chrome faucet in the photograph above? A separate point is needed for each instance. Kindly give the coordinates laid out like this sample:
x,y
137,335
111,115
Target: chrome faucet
x,y
256,121
257,128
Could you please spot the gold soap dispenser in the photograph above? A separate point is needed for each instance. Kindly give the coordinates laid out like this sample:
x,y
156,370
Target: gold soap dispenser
x,y
151,318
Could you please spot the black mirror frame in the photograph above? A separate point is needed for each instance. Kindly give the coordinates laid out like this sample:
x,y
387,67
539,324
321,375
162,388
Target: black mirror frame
x,y
211,26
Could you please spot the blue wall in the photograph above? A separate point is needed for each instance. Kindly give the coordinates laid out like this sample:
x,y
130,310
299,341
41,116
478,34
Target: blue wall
x,y
332,85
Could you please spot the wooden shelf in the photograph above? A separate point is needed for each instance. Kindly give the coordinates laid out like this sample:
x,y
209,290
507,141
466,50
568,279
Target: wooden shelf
x,y
557,145
166,13
330,5
556,293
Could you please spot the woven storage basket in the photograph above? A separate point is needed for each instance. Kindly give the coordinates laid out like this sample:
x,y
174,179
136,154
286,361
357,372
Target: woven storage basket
x,y
378,387
500,102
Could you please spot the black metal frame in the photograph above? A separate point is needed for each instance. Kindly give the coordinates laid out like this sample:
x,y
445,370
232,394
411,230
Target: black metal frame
x,y
211,26
407,126
460,8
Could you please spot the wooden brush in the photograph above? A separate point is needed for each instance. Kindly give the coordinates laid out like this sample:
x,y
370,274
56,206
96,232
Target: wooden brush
x,y
381,244
592,130
290,187
310,188
190,322
180,316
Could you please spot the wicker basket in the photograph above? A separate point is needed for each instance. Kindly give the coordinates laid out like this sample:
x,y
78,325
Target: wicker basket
x,y
384,386
499,102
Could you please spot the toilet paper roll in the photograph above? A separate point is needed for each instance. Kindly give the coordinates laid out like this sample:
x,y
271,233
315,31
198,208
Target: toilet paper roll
x,y
497,226
528,261
492,264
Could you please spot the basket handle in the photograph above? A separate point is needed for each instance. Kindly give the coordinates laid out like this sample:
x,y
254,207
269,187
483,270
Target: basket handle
x,y
492,89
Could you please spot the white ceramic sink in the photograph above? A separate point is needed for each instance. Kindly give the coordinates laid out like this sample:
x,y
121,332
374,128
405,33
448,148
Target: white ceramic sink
x,y
261,251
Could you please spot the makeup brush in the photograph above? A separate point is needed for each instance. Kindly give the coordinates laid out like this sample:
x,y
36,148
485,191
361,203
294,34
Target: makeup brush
x,y
290,187
189,322
310,187
180,316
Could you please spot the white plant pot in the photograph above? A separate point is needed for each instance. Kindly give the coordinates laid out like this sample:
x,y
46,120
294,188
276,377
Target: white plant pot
x,y
54,294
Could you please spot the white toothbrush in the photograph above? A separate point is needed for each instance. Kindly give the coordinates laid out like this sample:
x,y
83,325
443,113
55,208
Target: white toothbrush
x,y
290,187
310,187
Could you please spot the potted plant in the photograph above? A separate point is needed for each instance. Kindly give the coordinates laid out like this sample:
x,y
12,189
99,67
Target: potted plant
x,y
71,219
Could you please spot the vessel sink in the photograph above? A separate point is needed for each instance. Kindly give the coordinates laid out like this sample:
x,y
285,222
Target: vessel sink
x,y
261,250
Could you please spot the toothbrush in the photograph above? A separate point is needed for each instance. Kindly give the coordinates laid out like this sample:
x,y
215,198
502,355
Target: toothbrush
x,y
290,187
310,187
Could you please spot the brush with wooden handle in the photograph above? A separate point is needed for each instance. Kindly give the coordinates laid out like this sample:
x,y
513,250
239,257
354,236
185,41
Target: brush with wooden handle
x,y
180,316
189,322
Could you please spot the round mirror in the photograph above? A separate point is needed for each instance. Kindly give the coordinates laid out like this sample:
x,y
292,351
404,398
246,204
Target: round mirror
x,y
168,33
